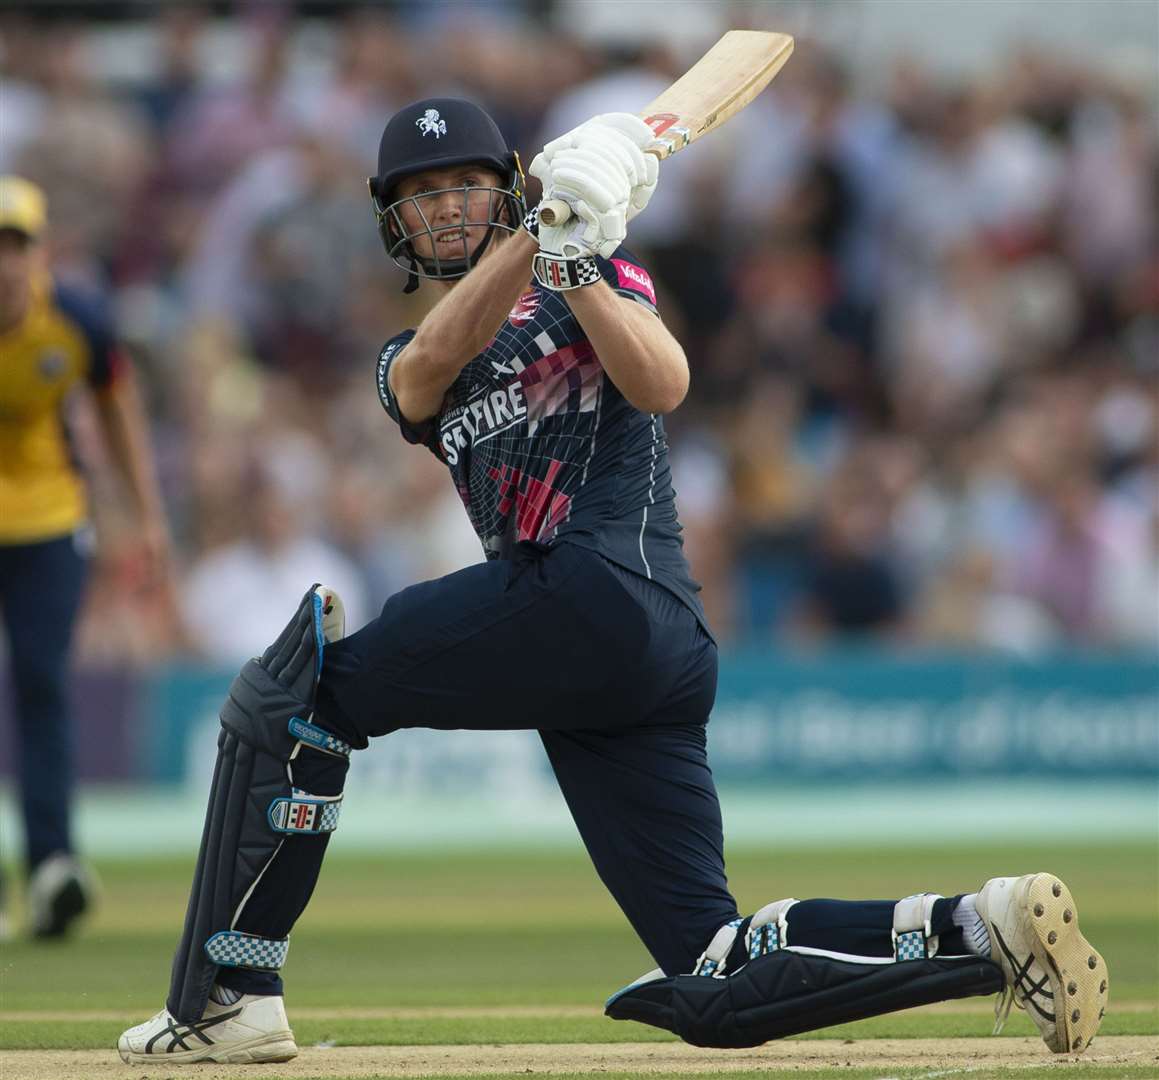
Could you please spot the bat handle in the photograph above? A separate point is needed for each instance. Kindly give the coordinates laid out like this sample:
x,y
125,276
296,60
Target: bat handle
x,y
554,211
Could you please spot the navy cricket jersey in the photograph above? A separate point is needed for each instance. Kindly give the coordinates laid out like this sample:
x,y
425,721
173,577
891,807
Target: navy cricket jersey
x,y
542,447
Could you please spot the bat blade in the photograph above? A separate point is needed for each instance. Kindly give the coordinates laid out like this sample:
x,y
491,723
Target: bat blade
x,y
721,83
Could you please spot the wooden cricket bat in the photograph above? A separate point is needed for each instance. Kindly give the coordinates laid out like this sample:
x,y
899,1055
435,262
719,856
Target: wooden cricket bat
x,y
721,83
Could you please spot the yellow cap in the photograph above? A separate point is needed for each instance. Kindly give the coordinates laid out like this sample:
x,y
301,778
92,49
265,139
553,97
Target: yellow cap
x,y
22,206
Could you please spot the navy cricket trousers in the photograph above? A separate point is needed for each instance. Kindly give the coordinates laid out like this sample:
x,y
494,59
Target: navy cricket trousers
x,y
40,591
618,678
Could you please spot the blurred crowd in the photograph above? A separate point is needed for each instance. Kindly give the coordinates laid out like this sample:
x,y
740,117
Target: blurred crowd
x,y
921,319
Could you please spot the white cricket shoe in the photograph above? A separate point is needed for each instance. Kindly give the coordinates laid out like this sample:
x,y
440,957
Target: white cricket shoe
x,y
252,1029
1051,970
60,890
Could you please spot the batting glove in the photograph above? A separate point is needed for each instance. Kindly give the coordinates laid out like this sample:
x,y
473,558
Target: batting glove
x,y
619,137
596,190
647,166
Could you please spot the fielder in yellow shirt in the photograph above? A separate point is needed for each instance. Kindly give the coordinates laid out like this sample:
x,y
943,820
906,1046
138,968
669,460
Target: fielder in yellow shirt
x,y
53,342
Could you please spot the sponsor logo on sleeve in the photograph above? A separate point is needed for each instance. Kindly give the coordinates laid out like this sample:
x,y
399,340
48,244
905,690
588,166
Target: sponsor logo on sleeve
x,y
384,359
525,308
635,278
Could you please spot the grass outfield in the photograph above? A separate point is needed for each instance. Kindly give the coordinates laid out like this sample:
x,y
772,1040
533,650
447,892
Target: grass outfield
x,y
498,950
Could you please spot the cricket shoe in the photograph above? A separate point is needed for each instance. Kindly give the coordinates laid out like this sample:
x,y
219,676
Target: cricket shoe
x,y
60,890
253,1029
1052,973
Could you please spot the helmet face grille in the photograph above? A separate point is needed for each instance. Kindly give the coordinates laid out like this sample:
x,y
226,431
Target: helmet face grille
x,y
446,254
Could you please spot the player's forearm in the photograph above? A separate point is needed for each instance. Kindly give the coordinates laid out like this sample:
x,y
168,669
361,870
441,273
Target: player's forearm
x,y
460,325
639,355
126,433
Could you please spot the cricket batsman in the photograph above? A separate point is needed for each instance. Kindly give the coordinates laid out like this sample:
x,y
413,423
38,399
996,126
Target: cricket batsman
x,y
540,378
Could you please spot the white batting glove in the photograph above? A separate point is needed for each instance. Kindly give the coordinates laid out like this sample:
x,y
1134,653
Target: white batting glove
x,y
622,137
647,165
598,199
596,188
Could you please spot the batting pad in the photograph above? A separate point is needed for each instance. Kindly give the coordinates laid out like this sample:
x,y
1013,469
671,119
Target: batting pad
x,y
264,836
786,992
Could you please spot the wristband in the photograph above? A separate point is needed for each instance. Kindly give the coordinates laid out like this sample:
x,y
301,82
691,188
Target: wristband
x,y
557,273
531,222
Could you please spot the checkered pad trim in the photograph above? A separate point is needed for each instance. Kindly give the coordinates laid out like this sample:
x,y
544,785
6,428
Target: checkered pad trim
x,y
316,737
765,939
558,274
910,945
231,948
304,813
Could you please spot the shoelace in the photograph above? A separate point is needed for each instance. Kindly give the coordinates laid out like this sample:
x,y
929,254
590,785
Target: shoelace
x,y
1002,1006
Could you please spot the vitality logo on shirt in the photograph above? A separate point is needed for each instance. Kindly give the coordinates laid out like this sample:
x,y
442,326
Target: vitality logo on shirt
x,y
635,278
486,416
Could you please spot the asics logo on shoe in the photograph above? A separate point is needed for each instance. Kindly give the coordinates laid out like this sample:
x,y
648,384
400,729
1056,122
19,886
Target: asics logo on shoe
x,y
1022,982
180,1032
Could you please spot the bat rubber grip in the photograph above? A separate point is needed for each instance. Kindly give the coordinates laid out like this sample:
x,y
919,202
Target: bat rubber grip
x,y
554,211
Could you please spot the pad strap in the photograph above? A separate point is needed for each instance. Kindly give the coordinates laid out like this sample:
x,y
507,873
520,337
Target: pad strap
x,y
769,929
232,948
714,959
913,937
302,812
317,737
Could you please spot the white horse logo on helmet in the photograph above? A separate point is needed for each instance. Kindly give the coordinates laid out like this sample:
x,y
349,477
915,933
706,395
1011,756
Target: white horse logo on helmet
x,y
429,123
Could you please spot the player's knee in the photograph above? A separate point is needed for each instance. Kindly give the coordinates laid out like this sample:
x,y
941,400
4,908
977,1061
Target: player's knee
x,y
332,713
272,703
271,708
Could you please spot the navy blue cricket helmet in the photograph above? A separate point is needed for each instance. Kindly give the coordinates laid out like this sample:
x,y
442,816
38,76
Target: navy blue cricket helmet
x,y
439,133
